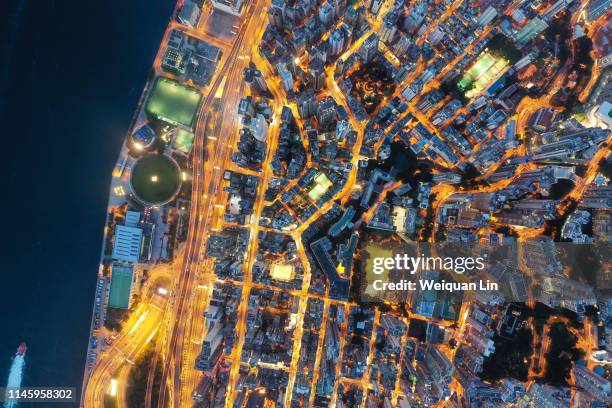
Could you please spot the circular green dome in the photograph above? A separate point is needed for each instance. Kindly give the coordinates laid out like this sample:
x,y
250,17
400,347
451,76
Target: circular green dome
x,y
155,179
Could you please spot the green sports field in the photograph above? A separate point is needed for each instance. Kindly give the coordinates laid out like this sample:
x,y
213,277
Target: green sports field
x,y
121,287
322,184
173,102
183,141
484,72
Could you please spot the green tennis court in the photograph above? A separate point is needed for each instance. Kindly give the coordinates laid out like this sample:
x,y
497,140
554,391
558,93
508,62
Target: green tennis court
x,y
121,287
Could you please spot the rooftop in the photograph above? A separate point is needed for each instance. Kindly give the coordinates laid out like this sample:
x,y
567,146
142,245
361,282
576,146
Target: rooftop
x,y
322,184
155,179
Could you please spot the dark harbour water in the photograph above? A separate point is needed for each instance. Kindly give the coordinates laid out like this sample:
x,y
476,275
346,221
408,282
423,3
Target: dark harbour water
x,y
71,73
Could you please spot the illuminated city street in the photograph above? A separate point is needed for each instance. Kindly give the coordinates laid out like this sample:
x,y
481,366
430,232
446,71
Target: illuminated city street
x,y
282,150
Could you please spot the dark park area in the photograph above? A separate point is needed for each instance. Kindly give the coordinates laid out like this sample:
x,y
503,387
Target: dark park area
x,y
138,379
562,352
510,359
371,84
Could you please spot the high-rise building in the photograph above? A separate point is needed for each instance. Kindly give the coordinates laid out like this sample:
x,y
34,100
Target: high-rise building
x,y
369,48
339,68
275,16
487,16
376,4
255,79
599,197
555,9
401,46
307,104
229,6
326,111
339,6
545,396
511,389
326,13
343,128
336,42
189,14
539,254
530,31
468,358
286,77
434,374
594,384
211,349
316,74
483,344
351,17
320,51
416,17
479,394
388,29
598,8
246,106
258,127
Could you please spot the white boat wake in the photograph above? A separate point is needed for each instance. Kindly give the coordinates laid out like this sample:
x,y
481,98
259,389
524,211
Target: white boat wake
x,y
15,377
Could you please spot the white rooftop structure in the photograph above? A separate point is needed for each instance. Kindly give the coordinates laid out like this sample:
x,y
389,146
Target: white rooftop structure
x,y
127,243
229,6
604,113
259,127
132,218
189,14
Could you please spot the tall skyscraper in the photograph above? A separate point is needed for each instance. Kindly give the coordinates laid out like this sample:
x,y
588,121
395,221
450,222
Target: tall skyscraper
x,y
336,42
388,29
316,73
369,48
229,6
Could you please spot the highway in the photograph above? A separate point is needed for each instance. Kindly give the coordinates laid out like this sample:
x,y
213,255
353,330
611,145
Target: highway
x,y
127,346
138,331
181,348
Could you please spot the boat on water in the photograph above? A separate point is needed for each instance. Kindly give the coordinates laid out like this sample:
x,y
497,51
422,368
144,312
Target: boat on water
x,y
21,350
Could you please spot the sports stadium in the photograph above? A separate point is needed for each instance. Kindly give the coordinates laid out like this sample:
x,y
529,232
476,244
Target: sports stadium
x,y
485,71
